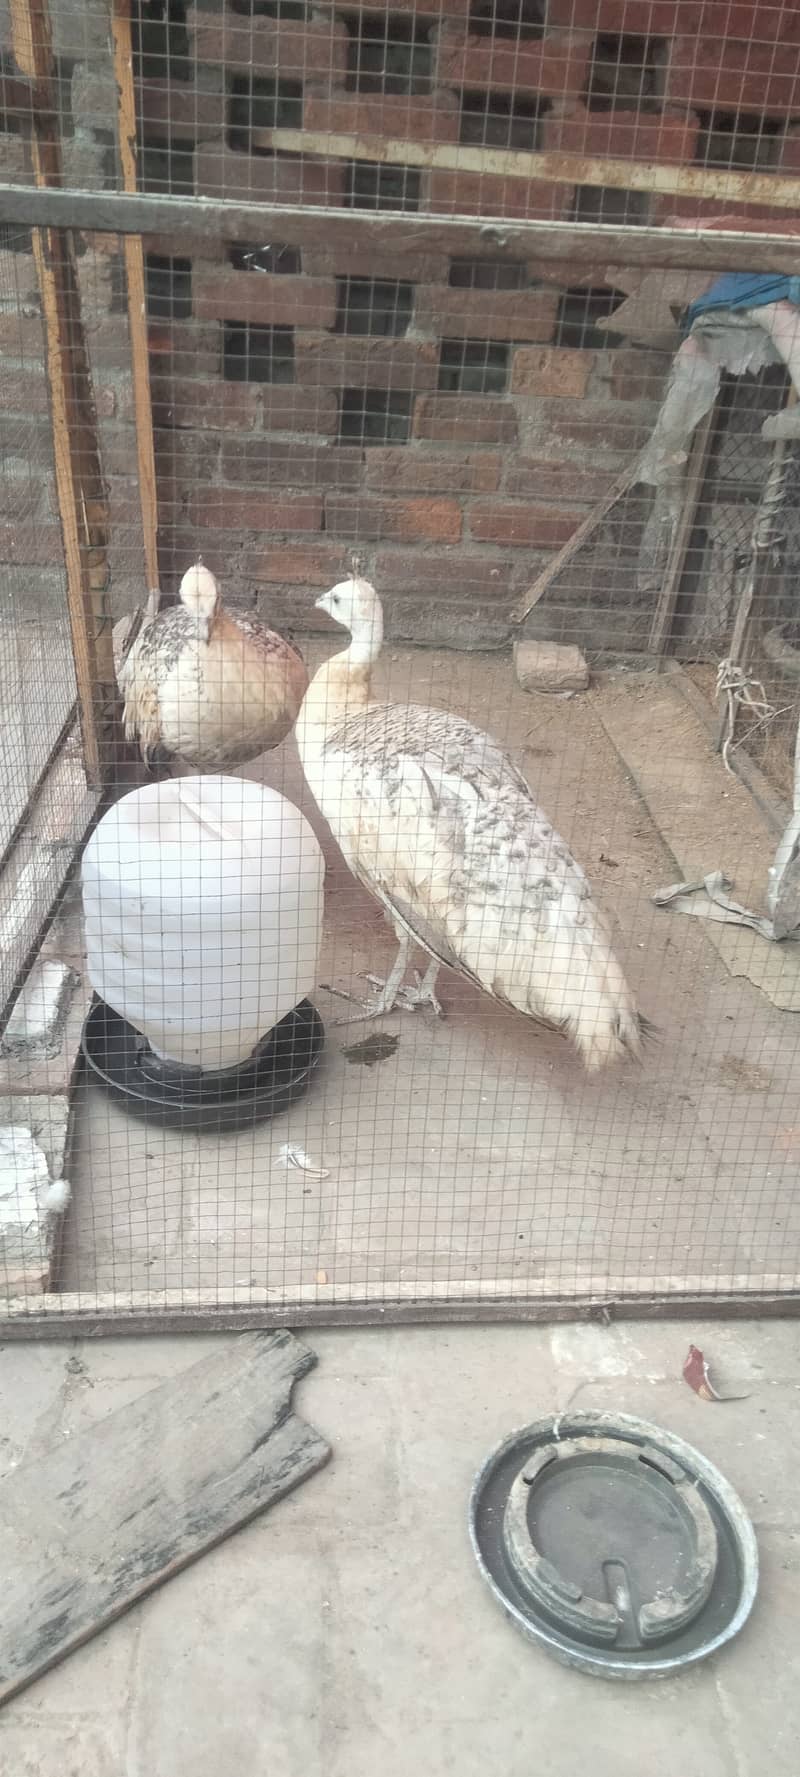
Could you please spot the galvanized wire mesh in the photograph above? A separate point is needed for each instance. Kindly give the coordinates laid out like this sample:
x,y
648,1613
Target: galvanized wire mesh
x,y
449,404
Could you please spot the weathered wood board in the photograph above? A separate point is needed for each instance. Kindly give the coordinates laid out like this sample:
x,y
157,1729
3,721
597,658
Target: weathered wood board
x,y
111,1514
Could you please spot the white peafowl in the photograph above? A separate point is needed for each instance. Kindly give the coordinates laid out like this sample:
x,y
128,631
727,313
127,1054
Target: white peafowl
x,y
434,818
210,687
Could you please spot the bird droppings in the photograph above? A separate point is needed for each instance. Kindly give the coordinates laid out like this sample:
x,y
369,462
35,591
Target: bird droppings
x,y
372,1049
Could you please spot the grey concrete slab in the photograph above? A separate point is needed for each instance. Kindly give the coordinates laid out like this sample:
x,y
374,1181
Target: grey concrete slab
x,y
350,1629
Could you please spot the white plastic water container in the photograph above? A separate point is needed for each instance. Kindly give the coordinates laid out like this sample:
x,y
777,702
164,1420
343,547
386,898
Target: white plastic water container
x,y
203,901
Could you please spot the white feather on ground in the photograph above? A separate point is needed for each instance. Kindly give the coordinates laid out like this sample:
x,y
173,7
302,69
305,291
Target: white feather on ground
x,y
436,820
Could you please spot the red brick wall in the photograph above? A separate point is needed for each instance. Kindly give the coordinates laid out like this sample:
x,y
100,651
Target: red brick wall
x,y
456,510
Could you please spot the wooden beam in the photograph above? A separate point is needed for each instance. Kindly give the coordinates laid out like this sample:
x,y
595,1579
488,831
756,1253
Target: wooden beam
x,y
39,862
693,488
550,572
593,245
591,1295
79,482
654,177
137,305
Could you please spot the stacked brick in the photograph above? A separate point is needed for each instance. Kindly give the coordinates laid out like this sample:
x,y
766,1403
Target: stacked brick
x,y
452,419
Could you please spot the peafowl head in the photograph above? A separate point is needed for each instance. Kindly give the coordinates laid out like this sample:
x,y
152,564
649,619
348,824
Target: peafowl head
x,y
199,593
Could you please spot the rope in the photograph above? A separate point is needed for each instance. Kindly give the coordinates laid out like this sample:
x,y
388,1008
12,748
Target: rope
x,y
741,692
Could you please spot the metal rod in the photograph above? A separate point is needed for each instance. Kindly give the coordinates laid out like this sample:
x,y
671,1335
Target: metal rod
x,y
721,186
590,244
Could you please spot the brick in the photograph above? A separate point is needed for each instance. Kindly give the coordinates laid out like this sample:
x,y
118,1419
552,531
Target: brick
x,y
24,391
228,510
417,471
637,375
601,428
724,75
760,218
320,565
486,314
80,33
93,96
290,465
37,1019
291,409
269,46
31,545
177,549
124,499
622,134
15,160
216,406
405,521
489,194
180,348
451,9
199,248
660,18
277,179
435,622
525,526
455,574
354,362
407,118
339,258
550,666
178,111
465,419
538,478
555,68
558,370
264,298
184,460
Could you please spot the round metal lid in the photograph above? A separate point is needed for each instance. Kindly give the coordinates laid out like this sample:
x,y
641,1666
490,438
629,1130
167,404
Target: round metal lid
x,y
614,1544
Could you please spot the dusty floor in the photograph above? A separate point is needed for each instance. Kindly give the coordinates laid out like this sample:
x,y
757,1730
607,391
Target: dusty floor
x,y
475,1152
349,1630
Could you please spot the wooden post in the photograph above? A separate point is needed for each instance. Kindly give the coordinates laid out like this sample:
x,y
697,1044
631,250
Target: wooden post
x,y
137,307
79,481
695,480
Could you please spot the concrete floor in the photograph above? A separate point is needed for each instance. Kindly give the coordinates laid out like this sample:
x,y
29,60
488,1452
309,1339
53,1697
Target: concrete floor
x,y
477,1153
349,1631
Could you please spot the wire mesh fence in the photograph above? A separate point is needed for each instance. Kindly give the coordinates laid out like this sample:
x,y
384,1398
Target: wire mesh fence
x,y
514,437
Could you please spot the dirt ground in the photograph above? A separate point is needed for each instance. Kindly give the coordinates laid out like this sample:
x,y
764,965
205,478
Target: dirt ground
x,y
472,1154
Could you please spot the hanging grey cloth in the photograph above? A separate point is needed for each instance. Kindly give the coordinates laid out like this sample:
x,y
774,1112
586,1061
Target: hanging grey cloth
x,y
718,905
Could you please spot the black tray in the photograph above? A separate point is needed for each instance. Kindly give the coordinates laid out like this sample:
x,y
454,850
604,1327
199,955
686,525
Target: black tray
x,y
277,1073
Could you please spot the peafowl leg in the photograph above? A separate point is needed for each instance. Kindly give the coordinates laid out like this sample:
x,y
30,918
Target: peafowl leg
x,y
389,989
424,993
392,993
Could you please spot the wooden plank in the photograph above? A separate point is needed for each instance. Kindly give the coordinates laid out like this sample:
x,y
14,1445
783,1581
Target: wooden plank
x,y
79,481
570,549
654,177
137,306
695,478
549,243
105,1518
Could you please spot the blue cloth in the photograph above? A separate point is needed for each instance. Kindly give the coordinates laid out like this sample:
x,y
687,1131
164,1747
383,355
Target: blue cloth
x,y
743,290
